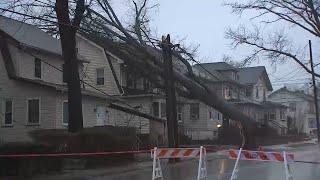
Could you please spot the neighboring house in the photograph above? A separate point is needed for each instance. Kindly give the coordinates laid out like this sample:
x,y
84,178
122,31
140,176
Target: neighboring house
x,y
33,94
140,92
301,111
247,89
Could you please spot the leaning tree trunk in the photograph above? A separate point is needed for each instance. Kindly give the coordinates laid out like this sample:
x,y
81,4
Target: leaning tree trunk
x,y
67,32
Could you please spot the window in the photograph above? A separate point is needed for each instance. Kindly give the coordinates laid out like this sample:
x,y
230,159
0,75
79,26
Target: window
x,y
100,76
257,93
235,76
65,113
179,113
312,123
264,94
159,109
64,73
211,114
219,116
8,113
33,111
227,93
248,92
194,111
272,116
37,68
156,109
282,114
131,80
292,107
312,108
163,110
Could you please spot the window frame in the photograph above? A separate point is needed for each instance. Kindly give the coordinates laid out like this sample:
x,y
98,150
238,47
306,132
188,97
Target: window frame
x,y
291,109
5,111
257,93
35,63
62,114
198,113
272,113
154,107
27,112
102,68
179,113
282,114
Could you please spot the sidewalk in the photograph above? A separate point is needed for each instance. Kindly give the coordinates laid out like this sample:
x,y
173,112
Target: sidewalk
x,y
143,163
290,146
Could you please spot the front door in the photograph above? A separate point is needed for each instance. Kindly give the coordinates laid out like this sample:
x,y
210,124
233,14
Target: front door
x,y
101,115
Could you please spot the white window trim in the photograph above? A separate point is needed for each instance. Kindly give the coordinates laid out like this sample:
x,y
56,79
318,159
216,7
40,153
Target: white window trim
x,y
27,114
63,124
159,107
104,76
275,116
4,112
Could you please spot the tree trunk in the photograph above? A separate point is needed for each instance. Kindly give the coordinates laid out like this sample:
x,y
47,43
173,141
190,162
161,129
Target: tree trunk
x,y
68,44
171,108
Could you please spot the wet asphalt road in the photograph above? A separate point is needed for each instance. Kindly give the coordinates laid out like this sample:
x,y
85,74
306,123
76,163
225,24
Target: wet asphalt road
x,y
220,168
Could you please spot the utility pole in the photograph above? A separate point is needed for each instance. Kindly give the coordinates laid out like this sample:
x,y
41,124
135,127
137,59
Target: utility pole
x,y
315,93
172,124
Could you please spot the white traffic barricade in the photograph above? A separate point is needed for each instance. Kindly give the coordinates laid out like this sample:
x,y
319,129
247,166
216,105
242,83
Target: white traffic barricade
x,y
284,158
170,153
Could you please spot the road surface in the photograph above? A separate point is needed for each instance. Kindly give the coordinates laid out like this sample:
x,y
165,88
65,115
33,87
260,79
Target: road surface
x,y
219,168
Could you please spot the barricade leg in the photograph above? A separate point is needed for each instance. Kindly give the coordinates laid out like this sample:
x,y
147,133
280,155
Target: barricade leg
x,y
235,169
287,167
202,169
156,167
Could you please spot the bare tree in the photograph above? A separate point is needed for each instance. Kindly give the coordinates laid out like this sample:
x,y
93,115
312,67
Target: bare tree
x,y
46,15
229,60
276,47
101,21
67,31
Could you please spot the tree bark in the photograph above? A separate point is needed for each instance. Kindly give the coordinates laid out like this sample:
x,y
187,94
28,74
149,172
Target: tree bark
x,y
67,32
170,94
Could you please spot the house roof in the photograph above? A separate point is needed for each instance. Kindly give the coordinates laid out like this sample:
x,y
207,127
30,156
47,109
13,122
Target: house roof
x,y
247,76
29,35
269,104
218,66
251,75
296,93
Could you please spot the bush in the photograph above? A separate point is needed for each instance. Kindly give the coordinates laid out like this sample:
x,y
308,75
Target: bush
x,y
88,140
98,139
27,166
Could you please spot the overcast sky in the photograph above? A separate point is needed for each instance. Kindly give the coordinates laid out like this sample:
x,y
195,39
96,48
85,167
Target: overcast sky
x,y
204,22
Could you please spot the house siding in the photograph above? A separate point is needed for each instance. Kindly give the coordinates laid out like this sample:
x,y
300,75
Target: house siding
x,y
89,105
142,125
97,58
19,92
201,128
24,64
301,114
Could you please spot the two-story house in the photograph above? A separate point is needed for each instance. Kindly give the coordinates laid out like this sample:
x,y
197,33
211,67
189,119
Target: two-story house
x,y
141,92
33,92
301,111
247,88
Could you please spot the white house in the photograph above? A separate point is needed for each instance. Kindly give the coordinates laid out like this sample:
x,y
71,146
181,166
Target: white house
x,y
33,94
301,111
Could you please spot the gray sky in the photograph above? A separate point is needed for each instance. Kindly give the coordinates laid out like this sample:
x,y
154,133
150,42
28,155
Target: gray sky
x,y
204,22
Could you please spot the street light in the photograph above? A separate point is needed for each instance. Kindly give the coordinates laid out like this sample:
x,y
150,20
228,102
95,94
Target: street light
x,y
219,125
